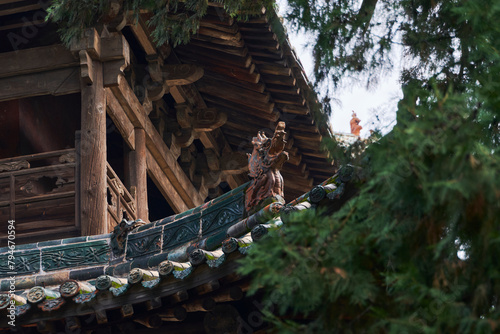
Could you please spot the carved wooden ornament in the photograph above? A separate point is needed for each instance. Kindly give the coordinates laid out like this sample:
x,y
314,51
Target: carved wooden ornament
x,y
264,164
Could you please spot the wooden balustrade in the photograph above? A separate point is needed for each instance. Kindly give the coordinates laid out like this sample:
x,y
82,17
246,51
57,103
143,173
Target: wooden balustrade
x,y
38,192
121,204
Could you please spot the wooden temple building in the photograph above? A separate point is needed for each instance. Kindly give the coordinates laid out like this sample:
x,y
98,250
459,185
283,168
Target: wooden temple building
x,y
124,170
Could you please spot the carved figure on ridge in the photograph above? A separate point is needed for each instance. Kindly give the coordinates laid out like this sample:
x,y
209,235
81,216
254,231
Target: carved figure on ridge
x,y
264,163
355,127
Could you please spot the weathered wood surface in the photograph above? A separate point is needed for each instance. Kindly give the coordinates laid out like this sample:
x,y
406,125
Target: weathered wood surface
x,y
15,10
34,60
56,82
178,75
120,203
141,32
138,173
120,119
93,155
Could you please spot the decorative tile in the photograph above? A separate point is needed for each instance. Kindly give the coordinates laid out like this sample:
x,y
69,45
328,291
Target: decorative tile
x,y
51,304
144,243
25,262
20,310
84,297
119,291
176,235
182,273
214,263
223,215
74,255
150,284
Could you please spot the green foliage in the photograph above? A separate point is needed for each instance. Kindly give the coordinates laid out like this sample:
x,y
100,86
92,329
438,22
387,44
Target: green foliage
x,y
387,261
172,21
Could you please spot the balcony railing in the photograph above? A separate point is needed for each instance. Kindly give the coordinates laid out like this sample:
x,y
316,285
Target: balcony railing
x,y
38,192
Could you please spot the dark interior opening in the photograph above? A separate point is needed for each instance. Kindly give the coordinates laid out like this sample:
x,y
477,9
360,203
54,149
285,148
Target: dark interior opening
x,y
116,149
157,204
38,124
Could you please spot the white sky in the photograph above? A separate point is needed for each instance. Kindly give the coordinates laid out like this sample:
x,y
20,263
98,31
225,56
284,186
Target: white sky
x,y
375,107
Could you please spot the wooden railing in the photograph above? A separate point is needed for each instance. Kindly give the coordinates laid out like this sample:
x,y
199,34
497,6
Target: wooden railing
x,y
121,204
38,192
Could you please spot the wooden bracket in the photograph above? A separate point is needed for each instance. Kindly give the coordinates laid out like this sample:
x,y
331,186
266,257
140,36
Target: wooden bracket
x,y
208,119
200,120
90,42
87,72
178,75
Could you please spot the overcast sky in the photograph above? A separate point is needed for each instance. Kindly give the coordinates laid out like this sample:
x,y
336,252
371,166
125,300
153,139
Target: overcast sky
x,y
375,107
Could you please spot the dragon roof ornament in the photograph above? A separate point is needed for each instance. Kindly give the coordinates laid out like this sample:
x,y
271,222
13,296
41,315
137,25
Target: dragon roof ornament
x,y
265,162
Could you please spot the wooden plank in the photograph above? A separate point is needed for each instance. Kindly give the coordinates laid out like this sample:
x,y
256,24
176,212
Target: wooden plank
x,y
258,34
293,109
38,59
39,156
235,50
6,2
289,99
270,54
45,197
275,69
235,106
263,45
282,89
216,41
93,155
218,34
255,87
141,32
15,10
120,119
279,80
217,56
164,185
234,90
228,29
56,82
138,178
316,137
236,96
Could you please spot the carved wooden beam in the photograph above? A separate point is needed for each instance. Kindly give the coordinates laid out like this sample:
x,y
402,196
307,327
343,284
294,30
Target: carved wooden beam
x,y
208,119
13,166
200,120
184,74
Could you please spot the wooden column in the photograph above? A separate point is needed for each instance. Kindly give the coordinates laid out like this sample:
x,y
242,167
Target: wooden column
x,y
138,174
93,151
